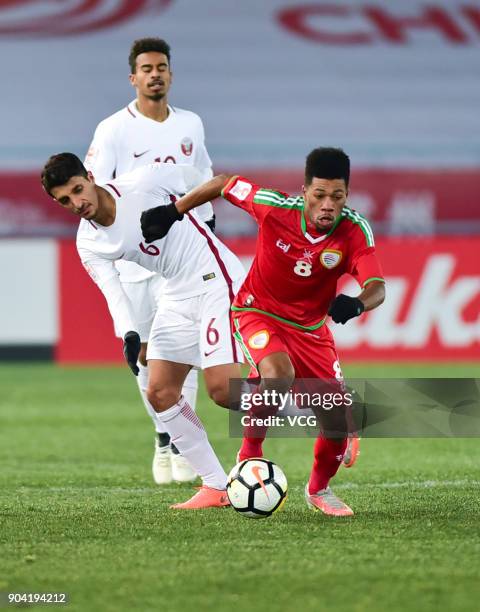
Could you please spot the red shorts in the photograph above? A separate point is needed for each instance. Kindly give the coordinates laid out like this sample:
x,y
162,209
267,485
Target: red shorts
x,y
313,354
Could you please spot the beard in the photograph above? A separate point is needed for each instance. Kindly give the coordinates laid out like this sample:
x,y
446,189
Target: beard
x,y
156,96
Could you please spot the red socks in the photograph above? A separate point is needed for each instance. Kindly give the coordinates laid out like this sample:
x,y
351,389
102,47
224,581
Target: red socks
x,y
254,435
251,447
328,455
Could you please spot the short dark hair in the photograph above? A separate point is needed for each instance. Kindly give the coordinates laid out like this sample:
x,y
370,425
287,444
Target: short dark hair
x,y
145,45
59,169
327,163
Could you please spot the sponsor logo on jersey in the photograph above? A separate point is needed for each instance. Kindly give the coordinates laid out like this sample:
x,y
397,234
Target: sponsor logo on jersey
x,y
282,246
207,277
210,352
259,340
241,189
140,154
330,258
187,146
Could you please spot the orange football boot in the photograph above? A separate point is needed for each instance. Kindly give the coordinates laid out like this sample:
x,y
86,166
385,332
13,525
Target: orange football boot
x,y
327,502
205,497
352,451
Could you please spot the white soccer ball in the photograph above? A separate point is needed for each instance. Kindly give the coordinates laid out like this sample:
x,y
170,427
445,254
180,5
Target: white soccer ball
x,y
256,488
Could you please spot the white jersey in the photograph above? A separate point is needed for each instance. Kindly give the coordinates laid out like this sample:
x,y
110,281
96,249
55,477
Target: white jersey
x,y
190,257
127,140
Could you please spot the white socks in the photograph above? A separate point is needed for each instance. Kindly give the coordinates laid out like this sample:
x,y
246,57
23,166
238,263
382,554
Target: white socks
x,y
189,436
190,388
189,391
186,430
142,381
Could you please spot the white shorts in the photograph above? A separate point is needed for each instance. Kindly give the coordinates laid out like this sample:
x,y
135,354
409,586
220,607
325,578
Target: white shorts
x,y
144,297
196,331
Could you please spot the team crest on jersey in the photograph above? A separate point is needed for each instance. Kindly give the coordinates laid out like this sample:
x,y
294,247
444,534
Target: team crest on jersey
x,y
330,258
187,146
259,340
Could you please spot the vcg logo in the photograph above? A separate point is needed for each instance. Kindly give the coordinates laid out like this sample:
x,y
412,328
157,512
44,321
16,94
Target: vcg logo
x,y
67,17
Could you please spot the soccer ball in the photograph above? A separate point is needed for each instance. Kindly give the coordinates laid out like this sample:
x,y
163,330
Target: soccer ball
x,y
256,488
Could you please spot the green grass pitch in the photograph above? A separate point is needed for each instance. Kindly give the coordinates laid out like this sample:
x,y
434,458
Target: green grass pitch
x,y
79,512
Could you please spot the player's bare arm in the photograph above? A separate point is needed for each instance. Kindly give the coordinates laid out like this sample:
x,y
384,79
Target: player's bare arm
x,y
204,193
373,295
156,222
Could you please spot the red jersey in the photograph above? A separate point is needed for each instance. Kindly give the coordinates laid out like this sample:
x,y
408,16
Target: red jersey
x,y
294,275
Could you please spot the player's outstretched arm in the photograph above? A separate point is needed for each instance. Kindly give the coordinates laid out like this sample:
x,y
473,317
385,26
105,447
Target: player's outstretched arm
x,y
344,307
103,273
156,222
203,193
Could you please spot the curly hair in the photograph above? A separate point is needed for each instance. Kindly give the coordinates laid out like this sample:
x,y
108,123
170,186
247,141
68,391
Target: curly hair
x,y
145,45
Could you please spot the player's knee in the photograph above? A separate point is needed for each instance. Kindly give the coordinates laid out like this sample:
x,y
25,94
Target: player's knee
x,y
219,393
280,371
142,357
162,398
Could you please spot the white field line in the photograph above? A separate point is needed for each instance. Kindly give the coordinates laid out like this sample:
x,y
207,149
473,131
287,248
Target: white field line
x,y
415,484
103,489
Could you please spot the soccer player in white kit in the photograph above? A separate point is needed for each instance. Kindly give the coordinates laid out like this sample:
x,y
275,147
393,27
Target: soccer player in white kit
x,y
150,130
192,325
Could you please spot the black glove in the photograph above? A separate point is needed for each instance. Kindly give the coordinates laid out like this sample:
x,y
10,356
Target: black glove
x,y
157,221
211,223
131,350
344,308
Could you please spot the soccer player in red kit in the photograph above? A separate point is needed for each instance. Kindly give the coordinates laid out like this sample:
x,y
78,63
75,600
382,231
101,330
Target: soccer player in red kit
x,y
305,243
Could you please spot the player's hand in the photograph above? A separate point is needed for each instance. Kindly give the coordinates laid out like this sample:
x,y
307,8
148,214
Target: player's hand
x,y
343,308
157,221
131,350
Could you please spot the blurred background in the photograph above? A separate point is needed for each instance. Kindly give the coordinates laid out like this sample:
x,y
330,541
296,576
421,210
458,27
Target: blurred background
x,y
396,84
